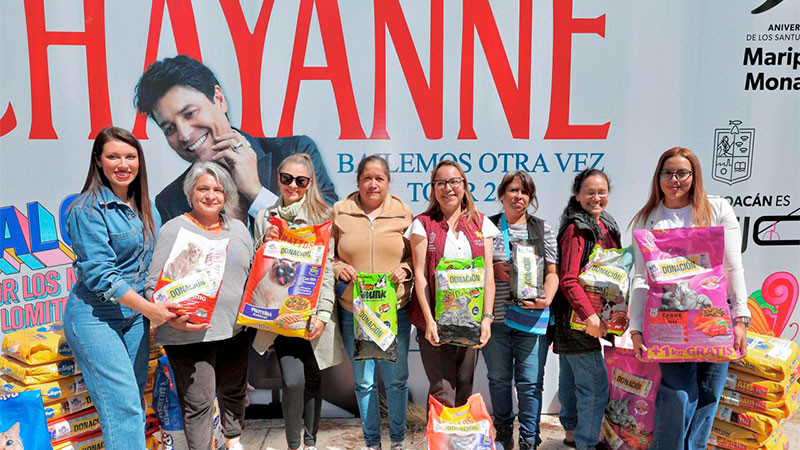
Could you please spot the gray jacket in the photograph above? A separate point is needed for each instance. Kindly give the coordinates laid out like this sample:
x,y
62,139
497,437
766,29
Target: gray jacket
x,y
328,347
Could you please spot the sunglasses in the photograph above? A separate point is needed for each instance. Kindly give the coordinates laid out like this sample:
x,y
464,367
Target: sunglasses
x,y
300,181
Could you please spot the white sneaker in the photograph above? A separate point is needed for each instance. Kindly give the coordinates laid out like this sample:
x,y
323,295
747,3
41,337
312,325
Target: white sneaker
x,y
236,446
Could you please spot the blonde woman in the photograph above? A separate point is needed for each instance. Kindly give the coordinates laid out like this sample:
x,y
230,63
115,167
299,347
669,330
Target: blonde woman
x,y
302,360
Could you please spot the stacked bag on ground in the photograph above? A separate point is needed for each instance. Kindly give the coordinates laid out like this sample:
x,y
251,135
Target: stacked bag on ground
x,y
467,427
761,392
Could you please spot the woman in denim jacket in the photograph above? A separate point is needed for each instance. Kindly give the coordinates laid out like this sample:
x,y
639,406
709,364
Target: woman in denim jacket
x,y
112,226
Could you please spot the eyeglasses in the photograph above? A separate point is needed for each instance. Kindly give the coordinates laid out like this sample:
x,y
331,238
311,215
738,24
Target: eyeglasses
x,y
681,175
453,182
286,180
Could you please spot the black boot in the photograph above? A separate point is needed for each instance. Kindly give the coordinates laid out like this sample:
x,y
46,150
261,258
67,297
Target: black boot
x,y
505,436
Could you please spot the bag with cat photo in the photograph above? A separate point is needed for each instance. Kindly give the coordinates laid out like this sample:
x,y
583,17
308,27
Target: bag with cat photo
x,y
22,422
192,275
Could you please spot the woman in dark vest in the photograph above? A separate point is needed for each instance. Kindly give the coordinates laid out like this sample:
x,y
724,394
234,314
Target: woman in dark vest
x,y
584,224
450,228
518,349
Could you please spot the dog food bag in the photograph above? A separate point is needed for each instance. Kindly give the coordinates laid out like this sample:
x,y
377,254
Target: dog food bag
x,y
459,300
51,391
768,357
686,314
375,311
742,436
607,284
761,424
286,279
38,345
629,419
757,387
780,409
527,272
192,275
467,427
22,422
86,441
721,433
67,406
82,422
28,374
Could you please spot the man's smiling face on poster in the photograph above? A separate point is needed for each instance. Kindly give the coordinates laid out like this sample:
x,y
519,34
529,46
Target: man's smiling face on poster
x,y
190,121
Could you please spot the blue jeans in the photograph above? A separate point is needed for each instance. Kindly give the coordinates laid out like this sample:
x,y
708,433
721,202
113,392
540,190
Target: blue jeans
x,y
583,393
395,380
111,346
513,355
686,404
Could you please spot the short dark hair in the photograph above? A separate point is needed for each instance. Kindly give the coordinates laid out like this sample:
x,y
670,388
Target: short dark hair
x,y
163,75
362,165
528,186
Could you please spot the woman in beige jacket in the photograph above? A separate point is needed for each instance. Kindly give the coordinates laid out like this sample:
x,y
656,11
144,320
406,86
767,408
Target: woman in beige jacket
x,y
368,229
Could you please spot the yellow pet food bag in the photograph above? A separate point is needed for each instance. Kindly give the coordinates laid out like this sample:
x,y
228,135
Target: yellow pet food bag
x,y
28,374
779,409
729,436
73,425
67,406
38,345
768,357
757,387
759,423
51,391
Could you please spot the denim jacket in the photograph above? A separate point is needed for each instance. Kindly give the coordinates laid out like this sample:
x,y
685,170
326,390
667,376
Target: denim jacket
x,y
111,253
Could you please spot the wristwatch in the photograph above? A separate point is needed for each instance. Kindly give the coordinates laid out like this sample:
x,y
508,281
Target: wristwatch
x,y
488,316
742,319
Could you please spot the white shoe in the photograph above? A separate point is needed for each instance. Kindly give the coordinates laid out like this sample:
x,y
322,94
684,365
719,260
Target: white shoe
x,y
236,446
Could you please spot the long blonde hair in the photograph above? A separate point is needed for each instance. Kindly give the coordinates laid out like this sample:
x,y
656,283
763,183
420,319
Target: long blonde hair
x,y
316,208
701,207
467,204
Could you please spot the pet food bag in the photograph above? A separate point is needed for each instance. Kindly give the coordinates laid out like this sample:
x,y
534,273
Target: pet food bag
x,y
607,284
375,311
722,436
192,275
686,314
757,387
459,300
467,427
527,271
22,422
86,441
51,390
780,409
768,357
38,345
286,279
758,423
82,422
629,419
67,406
28,374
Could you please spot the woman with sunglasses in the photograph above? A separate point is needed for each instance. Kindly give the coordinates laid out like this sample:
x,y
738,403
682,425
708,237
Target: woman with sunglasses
x,y
689,392
302,360
582,378
368,228
450,228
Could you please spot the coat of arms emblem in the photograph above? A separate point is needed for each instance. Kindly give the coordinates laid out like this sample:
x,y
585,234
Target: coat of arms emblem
x,y
733,153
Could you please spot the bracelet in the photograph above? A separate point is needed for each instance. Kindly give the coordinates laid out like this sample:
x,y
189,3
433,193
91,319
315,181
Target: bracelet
x,y
488,316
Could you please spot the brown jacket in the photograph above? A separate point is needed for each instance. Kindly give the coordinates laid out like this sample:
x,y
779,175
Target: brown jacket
x,y
372,247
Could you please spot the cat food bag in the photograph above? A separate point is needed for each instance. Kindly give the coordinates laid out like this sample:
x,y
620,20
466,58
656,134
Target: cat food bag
x,y
757,387
768,357
459,300
607,284
467,427
527,271
629,419
286,279
192,275
759,423
375,311
51,391
686,314
779,409
82,422
67,406
28,374
22,422
37,345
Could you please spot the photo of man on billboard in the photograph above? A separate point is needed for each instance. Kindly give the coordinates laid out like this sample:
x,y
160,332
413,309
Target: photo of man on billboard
x,y
186,101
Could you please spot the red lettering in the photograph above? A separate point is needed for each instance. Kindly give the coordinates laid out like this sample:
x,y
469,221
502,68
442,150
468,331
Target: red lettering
x,y
564,26
184,31
337,70
8,122
34,314
249,49
94,39
427,97
514,96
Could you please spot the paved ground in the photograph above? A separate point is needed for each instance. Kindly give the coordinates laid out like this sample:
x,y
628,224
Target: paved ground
x,y
336,434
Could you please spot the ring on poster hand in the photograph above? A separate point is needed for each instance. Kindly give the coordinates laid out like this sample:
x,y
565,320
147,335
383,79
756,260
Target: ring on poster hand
x,y
237,145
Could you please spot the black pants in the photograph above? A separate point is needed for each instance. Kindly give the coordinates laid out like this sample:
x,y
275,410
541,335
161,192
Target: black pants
x,y
450,370
302,389
206,369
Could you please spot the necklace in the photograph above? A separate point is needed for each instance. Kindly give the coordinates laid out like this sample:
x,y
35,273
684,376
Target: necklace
x,y
217,227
